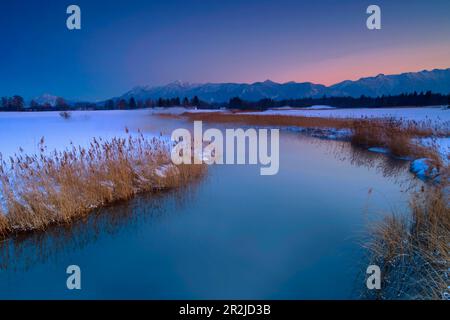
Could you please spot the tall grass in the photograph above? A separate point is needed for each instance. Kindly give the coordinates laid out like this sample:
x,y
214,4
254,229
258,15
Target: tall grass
x,y
421,128
397,135
4,225
58,187
413,250
65,115
263,120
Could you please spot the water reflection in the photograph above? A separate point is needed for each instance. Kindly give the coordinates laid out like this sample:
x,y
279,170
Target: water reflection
x,y
22,252
235,235
385,165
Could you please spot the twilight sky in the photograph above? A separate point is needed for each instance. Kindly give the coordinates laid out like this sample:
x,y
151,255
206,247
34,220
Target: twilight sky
x,y
125,43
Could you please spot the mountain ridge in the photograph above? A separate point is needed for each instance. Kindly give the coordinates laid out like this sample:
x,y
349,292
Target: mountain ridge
x,y
436,80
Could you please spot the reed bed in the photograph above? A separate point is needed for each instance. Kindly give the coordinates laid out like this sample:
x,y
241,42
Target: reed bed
x,y
58,187
398,135
249,118
413,250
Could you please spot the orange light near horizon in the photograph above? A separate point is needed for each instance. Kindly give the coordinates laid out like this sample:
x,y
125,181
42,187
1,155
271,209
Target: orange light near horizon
x,y
368,64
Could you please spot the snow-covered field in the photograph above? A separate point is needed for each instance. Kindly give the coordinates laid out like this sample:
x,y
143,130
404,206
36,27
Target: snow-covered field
x,y
180,110
442,145
25,130
439,114
408,113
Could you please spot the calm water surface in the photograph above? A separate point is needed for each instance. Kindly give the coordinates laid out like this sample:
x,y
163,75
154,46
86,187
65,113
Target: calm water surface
x,y
235,234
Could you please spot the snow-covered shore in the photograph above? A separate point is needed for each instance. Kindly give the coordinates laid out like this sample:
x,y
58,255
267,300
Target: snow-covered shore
x,y
440,114
24,130
433,117
442,145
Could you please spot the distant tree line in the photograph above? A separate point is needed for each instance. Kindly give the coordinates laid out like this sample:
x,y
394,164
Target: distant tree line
x,y
14,103
132,103
413,99
17,103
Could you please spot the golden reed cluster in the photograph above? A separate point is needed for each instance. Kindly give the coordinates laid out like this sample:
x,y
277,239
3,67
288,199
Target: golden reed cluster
x,y
397,135
44,189
412,250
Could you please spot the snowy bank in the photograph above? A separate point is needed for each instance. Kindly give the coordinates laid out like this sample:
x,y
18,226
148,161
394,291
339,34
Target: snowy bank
x,y
442,145
25,129
437,114
424,169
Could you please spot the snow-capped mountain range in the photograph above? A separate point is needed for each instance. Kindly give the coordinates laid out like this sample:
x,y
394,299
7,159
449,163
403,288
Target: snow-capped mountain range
x,y
49,99
437,80
46,98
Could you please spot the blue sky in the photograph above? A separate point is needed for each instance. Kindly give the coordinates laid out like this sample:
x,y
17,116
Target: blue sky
x,y
123,44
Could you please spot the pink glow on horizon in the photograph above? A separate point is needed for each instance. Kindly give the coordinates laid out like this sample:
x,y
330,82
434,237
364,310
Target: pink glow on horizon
x,y
354,67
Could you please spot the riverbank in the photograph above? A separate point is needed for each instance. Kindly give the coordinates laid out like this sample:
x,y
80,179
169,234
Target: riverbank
x,y
412,249
400,138
58,187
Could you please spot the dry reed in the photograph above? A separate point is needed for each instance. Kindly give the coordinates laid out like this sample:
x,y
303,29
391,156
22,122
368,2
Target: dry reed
x,y
55,188
397,135
413,250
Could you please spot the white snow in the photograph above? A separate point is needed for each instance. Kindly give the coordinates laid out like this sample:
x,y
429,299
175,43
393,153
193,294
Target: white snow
x,y
438,114
25,130
322,133
46,98
434,114
180,110
319,107
164,170
421,168
316,107
442,145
